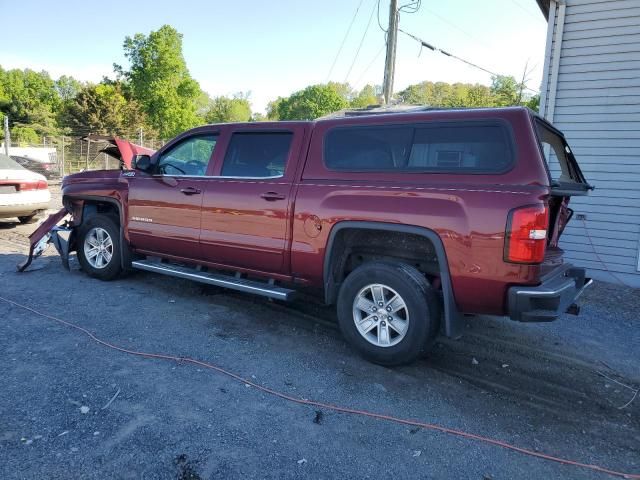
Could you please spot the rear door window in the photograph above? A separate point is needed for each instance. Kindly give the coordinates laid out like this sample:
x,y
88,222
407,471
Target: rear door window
x,y
436,147
257,154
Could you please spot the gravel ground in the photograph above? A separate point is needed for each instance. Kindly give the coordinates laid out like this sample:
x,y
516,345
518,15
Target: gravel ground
x,y
537,386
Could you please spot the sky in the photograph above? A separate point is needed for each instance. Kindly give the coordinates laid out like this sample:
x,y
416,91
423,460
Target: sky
x,y
273,48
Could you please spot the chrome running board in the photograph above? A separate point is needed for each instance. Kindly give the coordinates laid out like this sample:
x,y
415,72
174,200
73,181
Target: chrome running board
x,y
227,281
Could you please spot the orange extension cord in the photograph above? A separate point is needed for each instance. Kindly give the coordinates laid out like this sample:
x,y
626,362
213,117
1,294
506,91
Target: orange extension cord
x,y
328,406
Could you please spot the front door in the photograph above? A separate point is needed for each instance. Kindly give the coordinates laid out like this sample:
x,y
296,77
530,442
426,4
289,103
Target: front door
x,y
246,208
165,206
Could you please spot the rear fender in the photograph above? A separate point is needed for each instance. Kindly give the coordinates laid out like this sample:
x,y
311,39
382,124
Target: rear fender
x,y
453,319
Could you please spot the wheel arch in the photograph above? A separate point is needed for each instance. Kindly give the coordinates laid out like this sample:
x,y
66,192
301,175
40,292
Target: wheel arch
x,y
89,207
453,320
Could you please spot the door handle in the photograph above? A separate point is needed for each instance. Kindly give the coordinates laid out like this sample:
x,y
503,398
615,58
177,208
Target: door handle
x,y
272,196
190,191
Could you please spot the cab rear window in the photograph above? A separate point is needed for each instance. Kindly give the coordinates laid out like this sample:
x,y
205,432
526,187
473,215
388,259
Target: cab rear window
x,y
467,147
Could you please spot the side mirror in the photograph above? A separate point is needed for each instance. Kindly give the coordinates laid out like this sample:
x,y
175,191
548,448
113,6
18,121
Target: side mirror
x,y
142,162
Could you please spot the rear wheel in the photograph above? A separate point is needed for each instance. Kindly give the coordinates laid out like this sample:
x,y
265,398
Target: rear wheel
x,y
99,247
388,312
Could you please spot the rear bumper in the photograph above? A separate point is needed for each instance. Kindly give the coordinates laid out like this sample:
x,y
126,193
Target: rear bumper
x,y
547,301
22,209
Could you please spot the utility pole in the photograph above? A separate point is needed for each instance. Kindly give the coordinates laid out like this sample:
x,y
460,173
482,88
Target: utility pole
x,y
390,61
140,136
7,136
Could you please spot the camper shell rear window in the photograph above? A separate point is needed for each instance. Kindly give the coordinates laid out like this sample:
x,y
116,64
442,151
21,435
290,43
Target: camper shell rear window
x,y
562,165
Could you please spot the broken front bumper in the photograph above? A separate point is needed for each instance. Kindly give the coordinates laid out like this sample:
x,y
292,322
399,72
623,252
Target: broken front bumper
x,y
544,303
46,233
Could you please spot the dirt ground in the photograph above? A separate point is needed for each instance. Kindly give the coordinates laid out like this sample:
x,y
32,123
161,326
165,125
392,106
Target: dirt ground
x,y
70,408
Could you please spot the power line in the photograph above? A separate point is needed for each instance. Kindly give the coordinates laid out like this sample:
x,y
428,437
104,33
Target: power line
x,y
361,42
378,17
353,19
522,7
411,7
451,55
459,28
364,72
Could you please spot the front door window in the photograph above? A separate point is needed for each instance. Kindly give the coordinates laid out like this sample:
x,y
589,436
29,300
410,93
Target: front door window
x,y
189,157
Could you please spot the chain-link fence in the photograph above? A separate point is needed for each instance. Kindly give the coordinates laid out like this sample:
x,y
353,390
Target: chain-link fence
x,y
60,156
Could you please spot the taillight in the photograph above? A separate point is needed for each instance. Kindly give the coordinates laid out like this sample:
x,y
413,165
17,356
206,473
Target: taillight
x,y
35,185
526,235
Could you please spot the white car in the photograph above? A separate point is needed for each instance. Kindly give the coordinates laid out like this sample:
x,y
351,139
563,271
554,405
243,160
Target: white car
x,y
23,194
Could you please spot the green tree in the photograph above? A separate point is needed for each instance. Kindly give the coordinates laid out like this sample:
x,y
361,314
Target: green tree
x,y
310,103
533,102
505,90
29,98
160,80
104,109
365,97
67,88
4,97
479,96
342,89
273,109
24,135
225,109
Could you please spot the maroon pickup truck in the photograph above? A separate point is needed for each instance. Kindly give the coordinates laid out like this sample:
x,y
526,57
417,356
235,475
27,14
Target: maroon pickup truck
x,y
405,221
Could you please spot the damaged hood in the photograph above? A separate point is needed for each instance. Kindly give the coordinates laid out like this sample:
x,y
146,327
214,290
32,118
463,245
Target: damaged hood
x,y
91,176
120,149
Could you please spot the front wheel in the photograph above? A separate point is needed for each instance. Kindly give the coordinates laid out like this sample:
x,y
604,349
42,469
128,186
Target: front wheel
x,y
388,312
99,247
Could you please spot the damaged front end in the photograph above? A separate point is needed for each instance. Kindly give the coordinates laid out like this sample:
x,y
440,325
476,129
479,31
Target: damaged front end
x,y
101,187
49,232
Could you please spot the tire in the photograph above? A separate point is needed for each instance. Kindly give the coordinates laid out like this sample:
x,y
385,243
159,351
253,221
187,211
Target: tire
x,y
412,329
106,263
28,218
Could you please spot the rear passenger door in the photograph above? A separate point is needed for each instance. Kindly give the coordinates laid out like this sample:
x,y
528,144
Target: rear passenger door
x,y
247,203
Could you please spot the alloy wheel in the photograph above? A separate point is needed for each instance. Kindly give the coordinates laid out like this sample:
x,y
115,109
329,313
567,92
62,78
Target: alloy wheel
x,y
381,315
